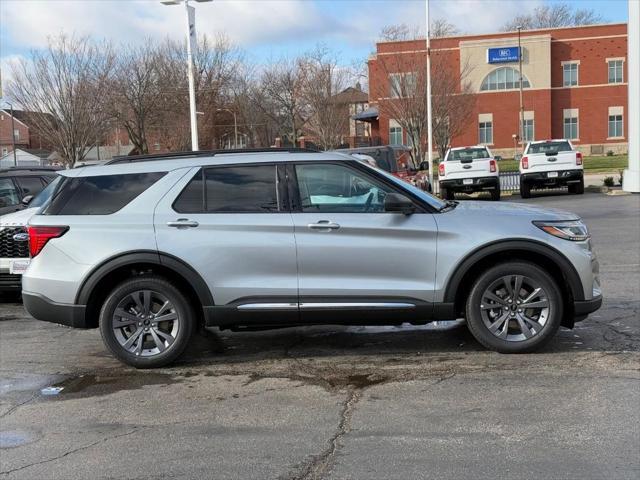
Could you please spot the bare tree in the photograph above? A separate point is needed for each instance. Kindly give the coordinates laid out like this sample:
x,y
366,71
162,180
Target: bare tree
x,y
322,79
552,16
281,87
138,99
405,101
439,27
64,85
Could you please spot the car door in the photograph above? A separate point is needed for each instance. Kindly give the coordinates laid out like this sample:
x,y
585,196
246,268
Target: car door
x,y
231,224
351,253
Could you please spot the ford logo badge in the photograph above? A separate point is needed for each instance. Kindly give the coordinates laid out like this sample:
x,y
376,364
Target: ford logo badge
x,y
21,237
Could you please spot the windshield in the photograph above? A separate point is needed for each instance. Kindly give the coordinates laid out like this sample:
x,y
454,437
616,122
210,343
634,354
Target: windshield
x,y
435,202
549,147
468,154
45,195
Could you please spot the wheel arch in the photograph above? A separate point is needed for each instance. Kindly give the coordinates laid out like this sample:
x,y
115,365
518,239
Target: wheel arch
x,y
548,258
112,271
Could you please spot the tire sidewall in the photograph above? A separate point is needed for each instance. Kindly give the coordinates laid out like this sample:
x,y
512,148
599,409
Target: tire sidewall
x,y
180,303
474,318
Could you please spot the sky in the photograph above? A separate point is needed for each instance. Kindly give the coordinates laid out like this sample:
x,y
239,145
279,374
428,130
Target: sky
x,y
264,29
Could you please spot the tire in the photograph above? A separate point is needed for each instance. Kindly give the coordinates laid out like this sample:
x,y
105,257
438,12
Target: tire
x,y
495,194
515,332
153,343
577,188
525,189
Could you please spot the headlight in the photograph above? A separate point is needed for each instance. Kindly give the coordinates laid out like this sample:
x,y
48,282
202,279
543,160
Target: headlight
x,y
573,230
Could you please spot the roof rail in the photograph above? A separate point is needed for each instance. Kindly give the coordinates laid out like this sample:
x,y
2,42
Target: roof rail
x,y
13,168
201,153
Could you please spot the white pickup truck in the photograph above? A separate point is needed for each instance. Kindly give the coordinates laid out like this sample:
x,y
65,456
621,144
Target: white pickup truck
x,y
550,164
467,170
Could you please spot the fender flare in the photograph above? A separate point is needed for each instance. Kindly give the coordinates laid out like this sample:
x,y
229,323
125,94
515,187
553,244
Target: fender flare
x,y
145,256
567,268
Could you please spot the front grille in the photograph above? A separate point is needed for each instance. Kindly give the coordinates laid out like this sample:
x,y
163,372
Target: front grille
x,y
9,248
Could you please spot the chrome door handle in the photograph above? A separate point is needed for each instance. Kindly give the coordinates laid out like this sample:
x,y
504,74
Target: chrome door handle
x,y
324,225
183,223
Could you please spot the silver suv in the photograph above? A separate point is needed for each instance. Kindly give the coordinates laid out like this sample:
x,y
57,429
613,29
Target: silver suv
x,y
151,248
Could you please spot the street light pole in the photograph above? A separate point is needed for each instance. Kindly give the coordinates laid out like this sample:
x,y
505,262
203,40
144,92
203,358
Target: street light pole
x,y
429,111
191,37
521,129
235,125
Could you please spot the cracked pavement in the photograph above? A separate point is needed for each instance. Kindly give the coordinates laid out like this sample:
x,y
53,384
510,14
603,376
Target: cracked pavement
x,y
340,402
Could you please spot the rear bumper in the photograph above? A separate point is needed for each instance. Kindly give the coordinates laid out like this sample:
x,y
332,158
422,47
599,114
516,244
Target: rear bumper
x,y
564,177
42,308
482,183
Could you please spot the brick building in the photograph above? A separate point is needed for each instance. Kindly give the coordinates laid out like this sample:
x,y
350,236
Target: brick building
x,y
574,85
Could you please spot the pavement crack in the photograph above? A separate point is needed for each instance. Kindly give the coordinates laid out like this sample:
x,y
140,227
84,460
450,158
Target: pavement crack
x,y
15,407
78,449
320,464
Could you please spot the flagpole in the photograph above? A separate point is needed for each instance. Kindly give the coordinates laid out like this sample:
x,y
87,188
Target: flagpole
x,y
429,113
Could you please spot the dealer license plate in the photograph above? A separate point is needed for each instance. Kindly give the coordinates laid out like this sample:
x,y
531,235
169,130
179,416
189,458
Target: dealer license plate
x,y
552,174
18,267
467,181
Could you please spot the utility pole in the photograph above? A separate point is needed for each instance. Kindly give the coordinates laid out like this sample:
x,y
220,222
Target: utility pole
x,y
429,112
521,129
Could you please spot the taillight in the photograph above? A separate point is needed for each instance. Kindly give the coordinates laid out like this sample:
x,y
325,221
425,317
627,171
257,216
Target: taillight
x,y
39,236
525,163
441,169
578,158
492,166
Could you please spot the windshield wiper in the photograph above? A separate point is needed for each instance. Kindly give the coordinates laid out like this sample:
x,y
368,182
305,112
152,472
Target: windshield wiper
x,y
449,205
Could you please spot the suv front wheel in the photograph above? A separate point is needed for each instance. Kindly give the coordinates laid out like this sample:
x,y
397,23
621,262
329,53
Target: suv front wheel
x,y
146,322
514,307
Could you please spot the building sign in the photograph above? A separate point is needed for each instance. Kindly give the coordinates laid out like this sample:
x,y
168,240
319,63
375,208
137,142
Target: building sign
x,y
502,54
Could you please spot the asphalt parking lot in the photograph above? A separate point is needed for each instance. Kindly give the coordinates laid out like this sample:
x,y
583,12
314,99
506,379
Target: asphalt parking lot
x,y
340,402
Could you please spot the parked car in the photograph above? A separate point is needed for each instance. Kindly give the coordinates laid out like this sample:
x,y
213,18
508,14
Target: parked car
x,y
18,185
468,170
397,160
14,240
150,249
551,164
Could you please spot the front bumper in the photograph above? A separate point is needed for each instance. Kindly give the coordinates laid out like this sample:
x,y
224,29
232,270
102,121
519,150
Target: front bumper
x,y
582,308
565,177
42,308
479,184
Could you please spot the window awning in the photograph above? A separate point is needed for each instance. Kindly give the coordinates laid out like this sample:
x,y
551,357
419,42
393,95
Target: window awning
x,y
368,115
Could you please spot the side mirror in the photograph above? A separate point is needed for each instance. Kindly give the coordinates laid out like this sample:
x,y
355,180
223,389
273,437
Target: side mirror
x,y
497,158
424,166
26,200
395,202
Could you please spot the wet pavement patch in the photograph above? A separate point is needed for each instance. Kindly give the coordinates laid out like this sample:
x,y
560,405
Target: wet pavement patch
x,y
91,385
15,438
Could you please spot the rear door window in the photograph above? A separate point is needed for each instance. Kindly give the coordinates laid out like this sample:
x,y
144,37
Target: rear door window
x,y
8,193
30,185
99,195
233,189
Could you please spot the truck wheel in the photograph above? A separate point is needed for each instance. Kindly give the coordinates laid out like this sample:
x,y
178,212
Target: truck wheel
x,y
495,194
146,322
447,194
577,188
525,189
514,307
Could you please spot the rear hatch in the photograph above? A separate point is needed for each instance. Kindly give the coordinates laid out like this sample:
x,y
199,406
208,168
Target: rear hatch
x,y
551,156
470,162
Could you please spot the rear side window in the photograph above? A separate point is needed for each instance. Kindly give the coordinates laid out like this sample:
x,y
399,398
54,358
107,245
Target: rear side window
x,y
30,185
99,195
245,189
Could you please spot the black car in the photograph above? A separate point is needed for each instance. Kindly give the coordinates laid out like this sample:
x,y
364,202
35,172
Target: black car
x,y
18,185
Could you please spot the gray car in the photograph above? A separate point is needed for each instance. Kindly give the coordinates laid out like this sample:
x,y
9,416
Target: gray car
x,y
151,248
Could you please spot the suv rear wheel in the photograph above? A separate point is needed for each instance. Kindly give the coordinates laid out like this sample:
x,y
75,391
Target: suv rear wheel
x,y
146,322
514,307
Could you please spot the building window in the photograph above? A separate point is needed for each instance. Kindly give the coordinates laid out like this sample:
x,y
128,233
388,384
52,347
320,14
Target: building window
x,y
402,85
504,78
615,71
16,134
5,151
485,135
571,127
570,74
528,130
395,135
615,126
